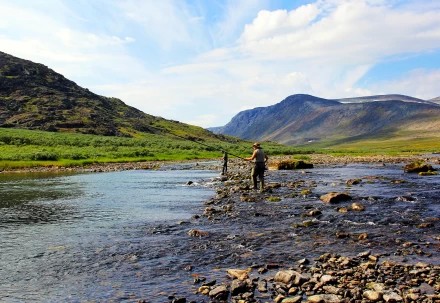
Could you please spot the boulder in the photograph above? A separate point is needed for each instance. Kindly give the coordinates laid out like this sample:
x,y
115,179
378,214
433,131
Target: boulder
x,y
240,274
291,164
220,292
417,167
334,197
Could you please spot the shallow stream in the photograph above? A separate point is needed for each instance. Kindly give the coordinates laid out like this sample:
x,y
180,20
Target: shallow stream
x,y
123,236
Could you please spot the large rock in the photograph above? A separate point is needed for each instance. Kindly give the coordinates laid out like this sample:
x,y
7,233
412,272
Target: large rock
x,y
240,274
291,164
290,276
220,293
334,197
417,167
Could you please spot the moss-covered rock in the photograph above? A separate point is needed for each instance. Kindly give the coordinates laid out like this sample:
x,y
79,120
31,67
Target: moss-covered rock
x,y
292,164
418,167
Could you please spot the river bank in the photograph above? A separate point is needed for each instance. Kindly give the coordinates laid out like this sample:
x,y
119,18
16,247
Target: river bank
x,y
381,243
215,164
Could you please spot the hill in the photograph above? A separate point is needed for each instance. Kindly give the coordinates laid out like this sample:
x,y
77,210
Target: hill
x,y
304,119
33,96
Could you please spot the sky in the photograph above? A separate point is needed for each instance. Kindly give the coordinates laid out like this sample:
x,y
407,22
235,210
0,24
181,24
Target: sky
x,y
203,61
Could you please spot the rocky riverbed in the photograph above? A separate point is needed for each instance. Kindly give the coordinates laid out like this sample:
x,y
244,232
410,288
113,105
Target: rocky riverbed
x,y
378,242
351,229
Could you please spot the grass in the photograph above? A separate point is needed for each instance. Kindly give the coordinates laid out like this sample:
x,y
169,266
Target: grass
x,y
21,148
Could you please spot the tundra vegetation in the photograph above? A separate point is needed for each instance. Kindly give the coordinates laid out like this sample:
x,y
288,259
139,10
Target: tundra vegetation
x,y
20,148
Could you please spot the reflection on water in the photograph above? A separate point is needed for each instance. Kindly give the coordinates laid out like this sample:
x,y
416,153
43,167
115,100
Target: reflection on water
x,y
54,229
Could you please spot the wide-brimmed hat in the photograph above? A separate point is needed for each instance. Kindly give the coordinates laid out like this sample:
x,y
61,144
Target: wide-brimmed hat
x,y
256,144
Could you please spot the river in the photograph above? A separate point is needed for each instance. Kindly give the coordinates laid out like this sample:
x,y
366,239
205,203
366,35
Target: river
x,y
70,238
123,236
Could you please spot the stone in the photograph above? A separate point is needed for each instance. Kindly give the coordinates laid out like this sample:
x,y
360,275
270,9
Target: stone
x,y
417,167
204,290
351,182
357,206
334,197
292,299
372,295
324,298
285,276
238,287
392,297
240,274
197,233
220,293
262,286
325,279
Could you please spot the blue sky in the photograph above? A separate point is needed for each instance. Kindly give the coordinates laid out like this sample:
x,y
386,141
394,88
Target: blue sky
x,y
203,61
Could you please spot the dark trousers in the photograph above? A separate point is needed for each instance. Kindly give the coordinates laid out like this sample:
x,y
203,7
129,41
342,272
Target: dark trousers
x,y
258,170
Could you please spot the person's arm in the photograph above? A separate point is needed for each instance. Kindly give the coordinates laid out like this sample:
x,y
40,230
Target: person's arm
x,y
254,154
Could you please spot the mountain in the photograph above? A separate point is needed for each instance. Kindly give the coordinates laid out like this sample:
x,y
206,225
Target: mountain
x,y
435,100
301,119
33,96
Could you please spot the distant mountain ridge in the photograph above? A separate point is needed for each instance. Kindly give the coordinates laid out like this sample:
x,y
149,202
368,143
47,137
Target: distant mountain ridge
x,y
301,119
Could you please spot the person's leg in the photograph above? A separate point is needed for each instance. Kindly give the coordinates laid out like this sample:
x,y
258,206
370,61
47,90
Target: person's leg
x,y
254,176
261,176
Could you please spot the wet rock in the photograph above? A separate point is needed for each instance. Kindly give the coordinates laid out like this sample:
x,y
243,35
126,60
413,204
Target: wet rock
x,y
334,197
262,286
238,287
417,167
357,206
219,293
204,290
342,235
314,213
428,173
240,274
197,233
291,164
405,199
363,236
351,182
285,276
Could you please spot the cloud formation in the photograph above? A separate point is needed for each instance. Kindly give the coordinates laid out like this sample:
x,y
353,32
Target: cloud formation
x,y
202,62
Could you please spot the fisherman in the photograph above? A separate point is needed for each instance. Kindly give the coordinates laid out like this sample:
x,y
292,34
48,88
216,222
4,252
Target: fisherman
x,y
225,163
259,165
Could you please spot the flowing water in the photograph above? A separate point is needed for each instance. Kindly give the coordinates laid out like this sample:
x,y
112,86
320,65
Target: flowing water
x,y
123,236
69,237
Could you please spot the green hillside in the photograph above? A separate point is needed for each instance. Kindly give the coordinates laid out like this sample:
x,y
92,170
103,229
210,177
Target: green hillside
x,y
27,148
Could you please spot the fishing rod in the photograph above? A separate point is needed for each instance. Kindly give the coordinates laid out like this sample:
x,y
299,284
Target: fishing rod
x,y
193,140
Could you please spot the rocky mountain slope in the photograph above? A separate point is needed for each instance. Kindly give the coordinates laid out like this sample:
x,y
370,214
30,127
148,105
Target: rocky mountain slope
x,y
33,96
302,119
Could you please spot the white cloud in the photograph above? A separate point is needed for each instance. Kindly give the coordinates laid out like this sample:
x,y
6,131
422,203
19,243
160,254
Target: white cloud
x,y
419,83
167,59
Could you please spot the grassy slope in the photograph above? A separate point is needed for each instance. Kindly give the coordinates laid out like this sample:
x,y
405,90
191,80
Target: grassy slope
x,y
27,148
410,138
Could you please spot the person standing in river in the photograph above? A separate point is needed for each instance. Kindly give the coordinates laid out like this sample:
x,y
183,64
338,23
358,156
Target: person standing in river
x,y
225,163
260,158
